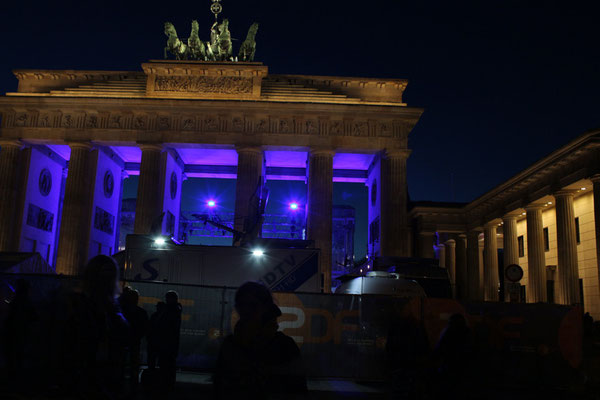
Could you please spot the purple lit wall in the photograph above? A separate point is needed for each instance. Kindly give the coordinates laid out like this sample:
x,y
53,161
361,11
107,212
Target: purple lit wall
x,y
42,196
172,195
374,201
106,205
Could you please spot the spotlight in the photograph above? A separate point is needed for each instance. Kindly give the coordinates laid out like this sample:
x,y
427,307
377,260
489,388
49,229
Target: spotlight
x,y
211,203
159,241
258,253
583,188
293,206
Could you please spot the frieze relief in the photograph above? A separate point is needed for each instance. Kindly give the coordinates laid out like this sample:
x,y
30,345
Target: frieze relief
x,y
203,84
213,123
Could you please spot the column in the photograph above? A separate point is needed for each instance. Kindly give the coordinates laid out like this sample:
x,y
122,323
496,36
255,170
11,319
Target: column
x,y
9,178
490,272
567,285
248,189
425,244
461,267
442,255
481,283
511,246
596,182
394,208
473,277
319,208
148,206
73,243
451,263
536,257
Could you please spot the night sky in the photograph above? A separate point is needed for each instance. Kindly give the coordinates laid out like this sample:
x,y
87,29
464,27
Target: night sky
x,y
502,83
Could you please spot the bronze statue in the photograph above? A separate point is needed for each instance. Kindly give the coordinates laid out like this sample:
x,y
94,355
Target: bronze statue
x,y
249,46
224,42
196,48
174,45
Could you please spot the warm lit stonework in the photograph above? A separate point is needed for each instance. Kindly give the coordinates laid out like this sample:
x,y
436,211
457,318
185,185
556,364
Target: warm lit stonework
x,y
197,119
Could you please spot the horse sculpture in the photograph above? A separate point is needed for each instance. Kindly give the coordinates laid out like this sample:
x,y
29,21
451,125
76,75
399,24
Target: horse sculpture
x,y
195,46
224,41
174,45
249,46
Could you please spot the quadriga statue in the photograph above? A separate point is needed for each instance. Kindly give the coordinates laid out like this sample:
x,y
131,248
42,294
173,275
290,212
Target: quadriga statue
x,y
174,45
196,47
249,46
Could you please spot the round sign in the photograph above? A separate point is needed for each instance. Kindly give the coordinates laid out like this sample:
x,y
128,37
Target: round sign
x,y
109,184
513,273
45,182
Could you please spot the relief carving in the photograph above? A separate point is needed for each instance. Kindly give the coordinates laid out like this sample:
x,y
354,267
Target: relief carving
x,y
164,123
91,121
203,84
21,119
336,128
68,121
115,122
284,126
139,122
211,124
44,121
360,129
188,124
261,126
385,129
237,124
310,127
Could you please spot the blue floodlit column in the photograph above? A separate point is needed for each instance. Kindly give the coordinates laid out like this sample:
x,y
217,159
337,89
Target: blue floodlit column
x,y
319,208
73,243
9,170
248,189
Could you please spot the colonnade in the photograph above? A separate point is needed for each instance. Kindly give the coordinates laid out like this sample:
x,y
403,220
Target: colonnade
x,y
481,280
77,220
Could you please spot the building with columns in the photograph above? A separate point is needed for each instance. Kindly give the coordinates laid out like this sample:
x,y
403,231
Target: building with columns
x,y
69,138
545,219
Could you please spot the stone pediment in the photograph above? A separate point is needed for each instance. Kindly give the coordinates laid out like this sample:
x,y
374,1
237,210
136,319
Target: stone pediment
x,y
210,81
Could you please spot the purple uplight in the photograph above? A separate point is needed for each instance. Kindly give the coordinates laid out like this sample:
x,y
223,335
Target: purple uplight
x,y
211,203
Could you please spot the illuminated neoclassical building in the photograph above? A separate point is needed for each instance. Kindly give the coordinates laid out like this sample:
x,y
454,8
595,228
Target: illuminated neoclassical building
x,y
545,219
68,138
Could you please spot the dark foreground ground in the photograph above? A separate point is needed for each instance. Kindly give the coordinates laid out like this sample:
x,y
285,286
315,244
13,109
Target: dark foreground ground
x,y
198,386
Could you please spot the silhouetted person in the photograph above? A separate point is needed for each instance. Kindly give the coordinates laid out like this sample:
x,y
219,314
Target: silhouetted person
x,y
257,361
138,321
92,333
453,353
153,336
165,337
17,325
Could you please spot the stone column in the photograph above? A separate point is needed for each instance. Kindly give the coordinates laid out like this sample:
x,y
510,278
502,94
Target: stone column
x,y
442,255
319,208
536,257
248,187
461,267
511,246
567,285
74,240
596,182
425,244
481,288
394,222
451,263
473,278
148,206
490,272
9,177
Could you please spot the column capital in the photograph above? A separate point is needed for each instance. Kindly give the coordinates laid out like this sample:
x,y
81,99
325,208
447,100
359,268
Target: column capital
x,y
534,207
451,243
75,144
564,193
11,143
491,224
150,146
510,217
249,149
321,151
397,153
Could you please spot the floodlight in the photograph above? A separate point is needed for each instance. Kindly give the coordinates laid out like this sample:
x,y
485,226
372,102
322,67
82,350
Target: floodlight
x,y
159,241
211,203
293,206
258,253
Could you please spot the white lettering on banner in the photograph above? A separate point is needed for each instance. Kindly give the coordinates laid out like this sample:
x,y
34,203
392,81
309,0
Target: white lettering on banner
x,y
298,323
